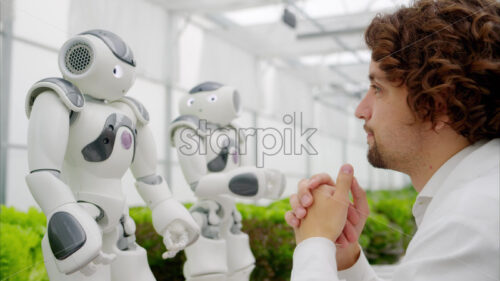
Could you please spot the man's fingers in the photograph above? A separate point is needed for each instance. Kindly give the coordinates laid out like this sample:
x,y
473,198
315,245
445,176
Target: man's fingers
x,y
291,219
299,211
341,241
304,193
319,179
324,189
353,215
360,201
350,232
344,181
306,186
302,183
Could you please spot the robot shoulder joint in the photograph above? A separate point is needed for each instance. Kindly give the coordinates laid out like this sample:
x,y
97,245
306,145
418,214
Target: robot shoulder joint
x,y
69,94
139,110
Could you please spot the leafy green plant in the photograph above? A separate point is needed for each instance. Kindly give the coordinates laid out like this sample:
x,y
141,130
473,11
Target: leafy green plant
x,y
387,233
390,226
20,245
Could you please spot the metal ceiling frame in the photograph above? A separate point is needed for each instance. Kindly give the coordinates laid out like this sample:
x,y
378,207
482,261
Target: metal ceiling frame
x,y
322,29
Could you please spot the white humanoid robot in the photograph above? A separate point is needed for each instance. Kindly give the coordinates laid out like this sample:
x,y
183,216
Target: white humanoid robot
x,y
83,136
209,148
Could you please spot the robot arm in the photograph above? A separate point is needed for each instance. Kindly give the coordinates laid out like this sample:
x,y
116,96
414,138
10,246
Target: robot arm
x,y
193,164
245,182
47,139
245,149
73,234
170,218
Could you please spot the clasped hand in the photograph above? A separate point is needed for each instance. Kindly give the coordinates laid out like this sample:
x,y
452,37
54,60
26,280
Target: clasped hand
x,y
327,216
322,208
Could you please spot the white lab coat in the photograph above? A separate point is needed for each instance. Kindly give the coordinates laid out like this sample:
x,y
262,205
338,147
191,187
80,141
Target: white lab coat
x,y
457,215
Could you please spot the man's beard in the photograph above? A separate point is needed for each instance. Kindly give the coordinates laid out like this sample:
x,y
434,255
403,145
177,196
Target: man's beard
x,y
375,157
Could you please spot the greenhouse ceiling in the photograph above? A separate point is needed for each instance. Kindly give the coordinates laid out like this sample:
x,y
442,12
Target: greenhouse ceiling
x,y
325,48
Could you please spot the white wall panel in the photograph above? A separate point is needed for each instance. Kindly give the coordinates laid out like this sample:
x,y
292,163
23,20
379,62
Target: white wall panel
x,y
277,148
224,63
141,24
291,95
331,120
329,158
29,65
191,44
17,193
153,97
44,22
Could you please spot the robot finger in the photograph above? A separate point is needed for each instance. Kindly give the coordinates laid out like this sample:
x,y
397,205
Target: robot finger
x,y
179,244
174,247
89,269
167,240
104,258
213,218
183,240
169,254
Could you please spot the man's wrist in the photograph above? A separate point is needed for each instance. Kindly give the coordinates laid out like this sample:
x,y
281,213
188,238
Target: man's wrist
x,y
301,236
347,257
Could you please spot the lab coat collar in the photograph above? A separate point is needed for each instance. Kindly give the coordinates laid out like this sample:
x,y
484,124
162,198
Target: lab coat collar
x,y
438,179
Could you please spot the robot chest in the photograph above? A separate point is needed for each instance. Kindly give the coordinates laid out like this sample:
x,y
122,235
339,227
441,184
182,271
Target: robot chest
x,y
101,137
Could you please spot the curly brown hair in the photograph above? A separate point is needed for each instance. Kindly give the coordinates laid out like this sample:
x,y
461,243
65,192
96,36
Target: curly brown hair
x,y
447,54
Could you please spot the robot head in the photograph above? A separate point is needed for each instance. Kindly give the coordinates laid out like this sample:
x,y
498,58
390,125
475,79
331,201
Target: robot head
x,y
99,63
213,102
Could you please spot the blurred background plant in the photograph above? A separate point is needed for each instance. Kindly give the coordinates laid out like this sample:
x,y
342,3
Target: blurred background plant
x,y
388,231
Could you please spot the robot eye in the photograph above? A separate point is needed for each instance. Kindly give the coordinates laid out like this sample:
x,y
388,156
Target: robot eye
x,y
212,98
118,71
190,102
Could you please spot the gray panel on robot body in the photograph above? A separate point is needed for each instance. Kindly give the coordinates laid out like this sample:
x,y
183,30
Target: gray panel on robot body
x,y
68,93
102,139
65,234
223,151
102,147
219,145
119,48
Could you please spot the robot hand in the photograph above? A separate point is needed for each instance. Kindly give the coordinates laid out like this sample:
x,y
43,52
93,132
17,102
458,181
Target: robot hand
x,y
175,224
176,238
75,240
275,183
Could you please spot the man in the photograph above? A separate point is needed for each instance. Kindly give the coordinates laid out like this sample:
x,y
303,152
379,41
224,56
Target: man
x,y
432,112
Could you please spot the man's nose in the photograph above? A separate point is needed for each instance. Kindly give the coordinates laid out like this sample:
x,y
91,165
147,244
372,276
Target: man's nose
x,y
363,111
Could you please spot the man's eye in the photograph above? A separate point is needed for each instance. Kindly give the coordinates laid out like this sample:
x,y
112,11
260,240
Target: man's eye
x,y
375,88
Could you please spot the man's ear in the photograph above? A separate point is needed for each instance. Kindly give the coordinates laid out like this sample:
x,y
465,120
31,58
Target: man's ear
x,y
441,122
